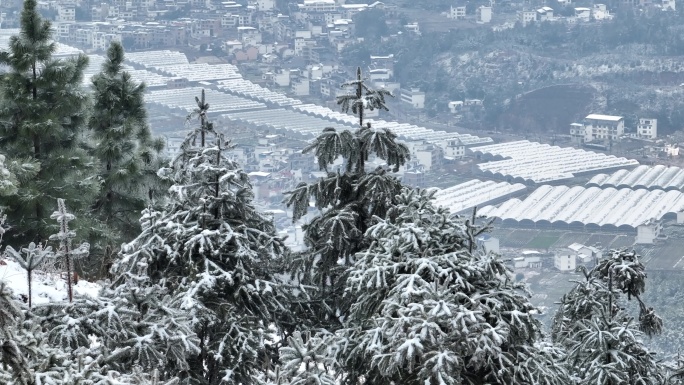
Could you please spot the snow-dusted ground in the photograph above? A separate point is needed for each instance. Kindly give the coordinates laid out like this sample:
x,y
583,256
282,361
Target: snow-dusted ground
x,y
46,287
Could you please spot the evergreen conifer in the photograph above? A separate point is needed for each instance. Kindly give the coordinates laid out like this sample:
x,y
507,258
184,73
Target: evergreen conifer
x,y
603,341
425,310
129,156
213,252
41,129
348,199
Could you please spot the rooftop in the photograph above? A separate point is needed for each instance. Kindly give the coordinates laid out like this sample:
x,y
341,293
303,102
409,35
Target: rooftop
x,y
603,117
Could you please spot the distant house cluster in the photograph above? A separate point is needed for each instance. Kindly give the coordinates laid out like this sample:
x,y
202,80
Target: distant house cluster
x,y
568,259
581,14
315,30
607,129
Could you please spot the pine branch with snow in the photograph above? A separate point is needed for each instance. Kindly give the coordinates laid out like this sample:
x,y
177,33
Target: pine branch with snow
x,y
604,343
424,310
213,253
65,237
33,257
348,199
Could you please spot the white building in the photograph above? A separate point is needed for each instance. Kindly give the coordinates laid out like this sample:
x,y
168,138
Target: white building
x,y
600,12
567,262
300,86
585,253
582,13
455,106
647,128
412,27
545,14
668,5
596,127
649,231
265,5
530,260
455,149
318,6
672,150
66,13
483,14
428,155
457,13
604,127
577,132
527,17
414,97
380,74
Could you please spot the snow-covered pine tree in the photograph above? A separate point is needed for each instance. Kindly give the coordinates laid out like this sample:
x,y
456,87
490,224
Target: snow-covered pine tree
x,y
307,361
133,323
128,154
66,251
362,97
33,257
603,341
348,199
213,252
25,359
427,311
42,116
14,365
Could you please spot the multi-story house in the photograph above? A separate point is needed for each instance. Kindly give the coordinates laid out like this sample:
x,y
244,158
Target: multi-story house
x,y
66,13
647,128
545,14
527,17
318,6
457,12
413,97
483,14
284,29
264,5
429,155
455,149
597,127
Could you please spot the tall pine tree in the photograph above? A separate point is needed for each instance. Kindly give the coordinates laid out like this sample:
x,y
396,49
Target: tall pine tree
x,y
348,199
41,124
213,252
603,341
425,310
129,156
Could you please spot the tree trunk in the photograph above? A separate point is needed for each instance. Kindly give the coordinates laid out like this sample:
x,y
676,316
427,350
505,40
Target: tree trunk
x,y
28,271
68,268
359,95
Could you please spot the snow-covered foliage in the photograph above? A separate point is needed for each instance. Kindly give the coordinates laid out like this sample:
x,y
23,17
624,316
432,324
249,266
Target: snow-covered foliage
x,y
129,155
362,97
29,259
604,343
65,236
306,361
42,116
424,310
212,252
14,365
347,199
8,181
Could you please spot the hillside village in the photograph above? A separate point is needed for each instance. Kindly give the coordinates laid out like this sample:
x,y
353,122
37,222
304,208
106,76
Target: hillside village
x,y
271,79
558,201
